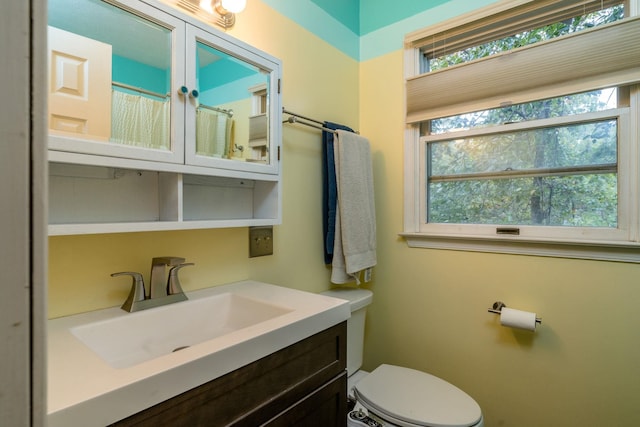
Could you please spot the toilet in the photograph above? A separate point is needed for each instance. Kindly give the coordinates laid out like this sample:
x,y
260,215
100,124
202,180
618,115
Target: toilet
x,y
395,396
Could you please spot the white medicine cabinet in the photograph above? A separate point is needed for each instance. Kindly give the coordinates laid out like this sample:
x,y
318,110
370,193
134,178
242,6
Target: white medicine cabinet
x,y
156,122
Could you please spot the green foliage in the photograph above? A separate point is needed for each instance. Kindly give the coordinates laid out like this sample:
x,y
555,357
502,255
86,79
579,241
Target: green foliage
x,y
573,201
526,38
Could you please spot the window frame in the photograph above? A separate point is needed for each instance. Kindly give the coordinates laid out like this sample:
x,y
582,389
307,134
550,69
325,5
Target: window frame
x,y
620,244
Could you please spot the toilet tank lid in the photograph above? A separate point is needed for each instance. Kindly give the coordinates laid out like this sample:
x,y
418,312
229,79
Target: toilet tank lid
x,y
358,298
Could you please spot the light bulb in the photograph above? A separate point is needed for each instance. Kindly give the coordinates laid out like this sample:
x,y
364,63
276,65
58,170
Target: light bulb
x,y
234,6
206,6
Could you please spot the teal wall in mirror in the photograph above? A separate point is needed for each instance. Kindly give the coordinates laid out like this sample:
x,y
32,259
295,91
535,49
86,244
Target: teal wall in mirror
x,y
223,78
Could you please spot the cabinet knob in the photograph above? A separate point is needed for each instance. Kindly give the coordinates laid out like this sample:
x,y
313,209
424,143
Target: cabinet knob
x,y
194,93
183,90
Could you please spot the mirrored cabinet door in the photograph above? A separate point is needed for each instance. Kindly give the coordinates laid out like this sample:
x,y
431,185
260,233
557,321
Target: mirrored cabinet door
x,y
237,90
112,67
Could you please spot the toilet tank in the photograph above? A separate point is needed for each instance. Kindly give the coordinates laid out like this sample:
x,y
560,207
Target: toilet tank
x,y
358,299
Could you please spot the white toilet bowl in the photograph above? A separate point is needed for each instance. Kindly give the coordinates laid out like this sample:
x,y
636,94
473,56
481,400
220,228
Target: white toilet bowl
x,y
395,396
398,396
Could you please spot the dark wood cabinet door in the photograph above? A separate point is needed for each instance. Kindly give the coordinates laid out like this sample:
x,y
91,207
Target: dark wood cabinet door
x,y
325,407
306,376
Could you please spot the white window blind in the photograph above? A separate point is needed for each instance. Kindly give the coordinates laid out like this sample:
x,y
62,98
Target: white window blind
x,y
507,17
596,58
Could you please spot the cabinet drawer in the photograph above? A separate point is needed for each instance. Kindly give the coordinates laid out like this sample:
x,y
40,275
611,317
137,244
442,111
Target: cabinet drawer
x,y
325,407
257,393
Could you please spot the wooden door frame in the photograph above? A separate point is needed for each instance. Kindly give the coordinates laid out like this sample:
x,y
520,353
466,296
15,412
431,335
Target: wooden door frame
x,y
23,213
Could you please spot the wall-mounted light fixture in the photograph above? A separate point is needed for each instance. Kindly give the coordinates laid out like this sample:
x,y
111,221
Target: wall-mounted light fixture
x,y
220,12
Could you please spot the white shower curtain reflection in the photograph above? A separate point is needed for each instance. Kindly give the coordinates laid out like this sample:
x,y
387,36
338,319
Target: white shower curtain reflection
x,y
140,121
214,133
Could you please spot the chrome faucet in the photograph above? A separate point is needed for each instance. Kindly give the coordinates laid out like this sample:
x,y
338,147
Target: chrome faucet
x,y
158,279
162,289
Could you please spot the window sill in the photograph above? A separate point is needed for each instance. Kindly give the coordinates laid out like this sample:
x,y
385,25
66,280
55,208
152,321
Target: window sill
x,y
603,251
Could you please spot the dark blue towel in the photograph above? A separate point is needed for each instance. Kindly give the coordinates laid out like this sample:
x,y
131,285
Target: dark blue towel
x,y
329,190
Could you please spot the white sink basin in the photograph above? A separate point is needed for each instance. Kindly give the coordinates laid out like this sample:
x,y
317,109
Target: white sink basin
x,y
137,337
106,365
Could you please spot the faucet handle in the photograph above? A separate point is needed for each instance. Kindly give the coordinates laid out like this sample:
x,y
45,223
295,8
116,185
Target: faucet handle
x,y
173,283
137,292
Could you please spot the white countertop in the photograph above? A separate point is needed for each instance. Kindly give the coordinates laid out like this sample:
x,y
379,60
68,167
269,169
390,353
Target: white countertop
x,y
85,390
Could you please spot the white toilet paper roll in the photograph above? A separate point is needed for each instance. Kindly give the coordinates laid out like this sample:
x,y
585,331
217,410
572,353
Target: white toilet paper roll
x,y
518,319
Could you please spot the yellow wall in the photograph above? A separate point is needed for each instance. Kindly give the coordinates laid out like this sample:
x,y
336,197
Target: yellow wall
x,y
582,366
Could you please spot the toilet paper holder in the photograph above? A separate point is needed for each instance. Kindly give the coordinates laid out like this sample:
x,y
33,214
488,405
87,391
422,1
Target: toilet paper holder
x,y
497,309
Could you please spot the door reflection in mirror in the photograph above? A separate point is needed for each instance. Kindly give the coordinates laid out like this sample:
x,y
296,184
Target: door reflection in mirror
x,y
135,70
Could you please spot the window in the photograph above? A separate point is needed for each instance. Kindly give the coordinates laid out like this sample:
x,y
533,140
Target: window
x,y
523,131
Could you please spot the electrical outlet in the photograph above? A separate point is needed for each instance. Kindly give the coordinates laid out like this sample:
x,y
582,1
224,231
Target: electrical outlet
x,y
260,241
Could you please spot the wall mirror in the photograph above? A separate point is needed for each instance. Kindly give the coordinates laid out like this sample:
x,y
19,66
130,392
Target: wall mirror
x,y
130,75
232,113
110,75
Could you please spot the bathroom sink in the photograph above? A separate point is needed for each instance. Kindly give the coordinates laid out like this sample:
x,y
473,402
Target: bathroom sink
x,y
106,365
137,337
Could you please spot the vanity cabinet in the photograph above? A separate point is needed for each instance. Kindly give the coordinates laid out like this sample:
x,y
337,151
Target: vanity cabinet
x,y
303,384
149,122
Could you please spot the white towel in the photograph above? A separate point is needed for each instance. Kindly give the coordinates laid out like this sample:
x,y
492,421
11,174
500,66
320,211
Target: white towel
x,y
212,133
355,240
